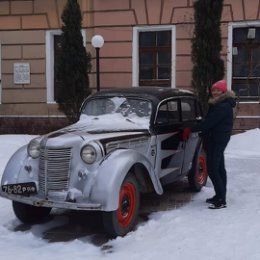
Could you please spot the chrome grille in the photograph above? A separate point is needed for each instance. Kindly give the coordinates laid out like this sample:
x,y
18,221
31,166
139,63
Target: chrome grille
x,y
54,168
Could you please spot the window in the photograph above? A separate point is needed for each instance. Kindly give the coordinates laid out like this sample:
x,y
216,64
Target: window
x,y
155,58
57,53
188,110
53,41
168,112
246,62
0,74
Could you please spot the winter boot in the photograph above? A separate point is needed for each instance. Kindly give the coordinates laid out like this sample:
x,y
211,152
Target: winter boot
x,y
218,204
211,200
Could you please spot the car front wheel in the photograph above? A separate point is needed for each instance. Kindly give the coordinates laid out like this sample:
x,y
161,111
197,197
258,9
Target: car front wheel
x,y
123,220
198,174
29,213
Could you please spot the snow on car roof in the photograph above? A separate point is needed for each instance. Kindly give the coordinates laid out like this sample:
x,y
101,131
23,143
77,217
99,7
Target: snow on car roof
x,y
158,93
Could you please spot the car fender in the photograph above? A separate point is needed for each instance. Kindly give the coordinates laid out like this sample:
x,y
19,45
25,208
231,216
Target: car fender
x,y
20,168
111,174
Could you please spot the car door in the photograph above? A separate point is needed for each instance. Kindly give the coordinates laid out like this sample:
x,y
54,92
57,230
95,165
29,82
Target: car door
x,y
190,114
169,144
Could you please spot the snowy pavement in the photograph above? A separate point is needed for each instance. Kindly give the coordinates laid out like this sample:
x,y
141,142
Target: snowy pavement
x,y
191,231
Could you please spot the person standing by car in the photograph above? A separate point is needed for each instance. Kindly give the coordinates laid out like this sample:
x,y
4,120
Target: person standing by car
x,y
216,131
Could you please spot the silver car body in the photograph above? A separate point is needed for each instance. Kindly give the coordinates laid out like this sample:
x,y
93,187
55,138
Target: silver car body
x,y
121,142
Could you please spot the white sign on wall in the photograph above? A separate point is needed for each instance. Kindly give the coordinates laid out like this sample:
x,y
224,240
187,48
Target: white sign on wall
x,y
21,73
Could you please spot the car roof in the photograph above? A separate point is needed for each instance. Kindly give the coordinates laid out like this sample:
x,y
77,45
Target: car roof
x,y
156,94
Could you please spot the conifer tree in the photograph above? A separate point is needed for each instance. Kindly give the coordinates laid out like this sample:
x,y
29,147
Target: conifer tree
x,y
208,67
73,64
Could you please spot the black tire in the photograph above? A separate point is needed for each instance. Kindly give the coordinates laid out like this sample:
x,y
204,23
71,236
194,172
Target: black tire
x,y
123,220
198,174
29,213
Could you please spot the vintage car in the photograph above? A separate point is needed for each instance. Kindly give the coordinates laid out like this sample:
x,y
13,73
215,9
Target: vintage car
x,y
127,142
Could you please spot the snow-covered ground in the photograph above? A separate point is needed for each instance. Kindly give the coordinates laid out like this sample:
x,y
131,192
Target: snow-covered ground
x,y
190,232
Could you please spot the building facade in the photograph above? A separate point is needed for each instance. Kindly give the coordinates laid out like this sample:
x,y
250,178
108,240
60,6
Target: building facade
x,y
147,42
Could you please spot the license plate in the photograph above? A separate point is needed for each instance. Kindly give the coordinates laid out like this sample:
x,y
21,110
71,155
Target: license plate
x,y
24,189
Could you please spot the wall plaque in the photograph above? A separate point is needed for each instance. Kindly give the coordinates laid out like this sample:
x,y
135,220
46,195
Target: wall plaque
x,y
22,73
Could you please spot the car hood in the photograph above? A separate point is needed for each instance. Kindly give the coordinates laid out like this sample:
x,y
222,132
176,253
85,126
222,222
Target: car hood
x,y
79,132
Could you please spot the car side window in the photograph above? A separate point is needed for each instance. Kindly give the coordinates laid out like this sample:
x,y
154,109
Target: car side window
x,y
188,110
168,112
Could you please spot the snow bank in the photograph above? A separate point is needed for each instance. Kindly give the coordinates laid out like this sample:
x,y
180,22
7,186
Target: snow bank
x,y
245,144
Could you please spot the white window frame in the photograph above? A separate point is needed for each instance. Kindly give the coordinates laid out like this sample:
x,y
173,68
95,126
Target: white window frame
x,y
135,51
49,38
231,26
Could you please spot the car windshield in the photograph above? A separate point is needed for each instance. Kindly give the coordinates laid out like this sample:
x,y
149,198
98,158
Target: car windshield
x,y
117,113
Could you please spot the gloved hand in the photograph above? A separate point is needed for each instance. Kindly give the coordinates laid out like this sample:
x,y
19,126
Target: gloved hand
x,y
186,133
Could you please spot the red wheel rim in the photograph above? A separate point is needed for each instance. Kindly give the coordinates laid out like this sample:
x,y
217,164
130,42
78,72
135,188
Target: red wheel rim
x,y
202,170
127,204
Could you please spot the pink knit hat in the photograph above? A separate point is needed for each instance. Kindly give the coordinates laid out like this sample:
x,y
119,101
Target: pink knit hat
x,y
220,85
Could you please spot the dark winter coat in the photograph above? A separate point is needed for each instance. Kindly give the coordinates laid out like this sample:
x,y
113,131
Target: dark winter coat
x,y
216,131
218,123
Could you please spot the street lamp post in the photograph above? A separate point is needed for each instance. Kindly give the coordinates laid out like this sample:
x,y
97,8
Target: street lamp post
x,y
97,42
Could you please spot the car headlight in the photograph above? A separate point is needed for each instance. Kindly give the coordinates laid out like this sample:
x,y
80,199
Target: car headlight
x,y
33,148
88,154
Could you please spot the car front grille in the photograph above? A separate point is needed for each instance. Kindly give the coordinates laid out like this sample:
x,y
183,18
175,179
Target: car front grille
x,y
54,168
